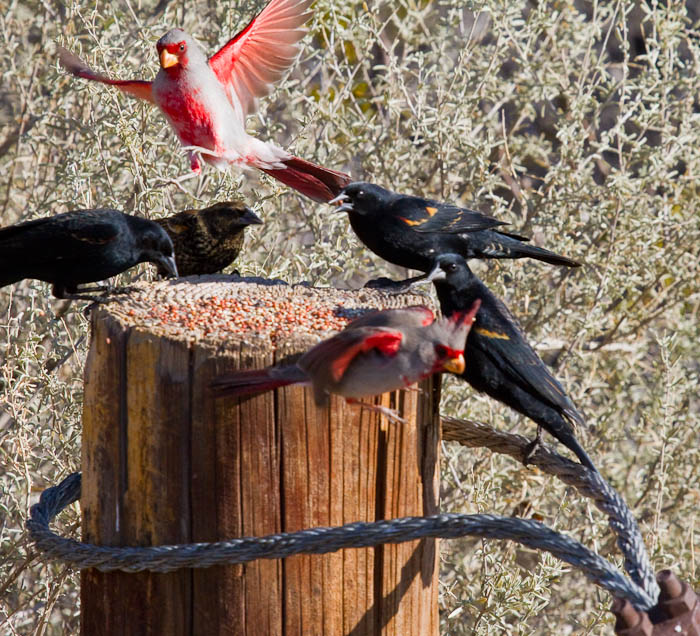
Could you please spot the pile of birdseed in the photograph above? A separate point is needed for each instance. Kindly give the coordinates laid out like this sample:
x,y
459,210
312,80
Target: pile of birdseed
x,y
218,307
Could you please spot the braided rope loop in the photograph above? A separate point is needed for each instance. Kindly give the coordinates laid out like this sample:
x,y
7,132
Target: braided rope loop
x,y
316,541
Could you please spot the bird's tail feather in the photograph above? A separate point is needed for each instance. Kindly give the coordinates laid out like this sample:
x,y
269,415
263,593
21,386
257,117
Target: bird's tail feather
x,y
513,247
541,254
567,438
252,381
314,181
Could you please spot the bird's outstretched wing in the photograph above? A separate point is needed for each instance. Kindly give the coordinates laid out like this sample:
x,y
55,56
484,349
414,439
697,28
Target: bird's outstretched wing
x,y
335,355
73,64
249,63
424,215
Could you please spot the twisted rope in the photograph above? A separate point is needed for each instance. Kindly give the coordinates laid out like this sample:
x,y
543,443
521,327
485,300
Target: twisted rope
x,y
317,541
587,482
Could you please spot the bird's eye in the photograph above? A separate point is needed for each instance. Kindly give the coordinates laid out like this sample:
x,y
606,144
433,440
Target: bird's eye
x,y
452,267
441,350
360,194
182,47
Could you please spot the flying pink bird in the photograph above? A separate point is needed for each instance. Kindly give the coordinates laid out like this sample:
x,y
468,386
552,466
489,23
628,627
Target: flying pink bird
x,y
206,101
384,351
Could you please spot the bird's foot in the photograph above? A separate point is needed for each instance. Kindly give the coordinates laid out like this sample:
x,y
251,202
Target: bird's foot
x,y
532,447
105,291
390,414
119,291
393,286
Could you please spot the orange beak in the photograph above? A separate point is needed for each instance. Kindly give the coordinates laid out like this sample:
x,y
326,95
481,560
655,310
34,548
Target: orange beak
x,y
167,59
455,365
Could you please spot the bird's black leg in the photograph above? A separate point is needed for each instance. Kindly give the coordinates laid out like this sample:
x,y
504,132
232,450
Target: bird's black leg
x,y
394,286
532,447
88,293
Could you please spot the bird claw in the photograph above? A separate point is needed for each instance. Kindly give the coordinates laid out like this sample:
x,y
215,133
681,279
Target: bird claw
x,y
532,447
118,291
387,285
390,414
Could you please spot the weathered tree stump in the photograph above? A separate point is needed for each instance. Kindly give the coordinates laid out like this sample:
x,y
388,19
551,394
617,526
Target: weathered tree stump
x,y
164,462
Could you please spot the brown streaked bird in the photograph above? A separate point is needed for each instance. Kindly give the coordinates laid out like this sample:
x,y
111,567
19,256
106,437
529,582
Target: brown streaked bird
x,y
206,241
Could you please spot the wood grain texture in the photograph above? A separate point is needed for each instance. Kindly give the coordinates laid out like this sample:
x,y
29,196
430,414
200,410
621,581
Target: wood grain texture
x,y
165,462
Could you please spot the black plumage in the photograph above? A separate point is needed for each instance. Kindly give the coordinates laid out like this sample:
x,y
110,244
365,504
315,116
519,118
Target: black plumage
x,y
83,246
411,231
500,362
208,240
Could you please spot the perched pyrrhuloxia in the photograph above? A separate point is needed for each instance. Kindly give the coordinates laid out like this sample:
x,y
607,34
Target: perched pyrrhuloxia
x,y
380,352
206,101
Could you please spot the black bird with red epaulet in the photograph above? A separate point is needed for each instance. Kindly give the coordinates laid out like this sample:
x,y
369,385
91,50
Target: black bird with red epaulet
x,y
208,240
83,246
412,232
501,363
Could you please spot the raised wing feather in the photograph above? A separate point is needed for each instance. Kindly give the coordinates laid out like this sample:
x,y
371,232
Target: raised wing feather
x,y
334,356
249,63
73,64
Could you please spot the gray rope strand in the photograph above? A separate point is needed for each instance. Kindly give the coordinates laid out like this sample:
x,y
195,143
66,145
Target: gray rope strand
x,y
316,541
590,484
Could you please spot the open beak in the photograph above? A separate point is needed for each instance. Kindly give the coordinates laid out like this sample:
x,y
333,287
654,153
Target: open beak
x,y
436,274
166,265
455,365
167,59
339,201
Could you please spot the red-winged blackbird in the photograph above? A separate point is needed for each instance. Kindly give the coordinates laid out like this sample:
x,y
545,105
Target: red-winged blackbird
x,y
411,231
208,240
380,352
79,247
500,362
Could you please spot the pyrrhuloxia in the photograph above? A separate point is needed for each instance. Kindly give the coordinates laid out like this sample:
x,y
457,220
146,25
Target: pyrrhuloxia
x,y
206,101
380,352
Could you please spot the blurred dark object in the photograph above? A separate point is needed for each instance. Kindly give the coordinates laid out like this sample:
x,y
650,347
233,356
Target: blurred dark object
x,y
677,611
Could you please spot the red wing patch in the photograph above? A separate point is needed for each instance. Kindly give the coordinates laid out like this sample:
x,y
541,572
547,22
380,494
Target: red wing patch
x,y
431,211
386,342
411,222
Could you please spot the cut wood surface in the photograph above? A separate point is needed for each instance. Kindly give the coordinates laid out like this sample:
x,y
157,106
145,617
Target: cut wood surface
x,y
164,462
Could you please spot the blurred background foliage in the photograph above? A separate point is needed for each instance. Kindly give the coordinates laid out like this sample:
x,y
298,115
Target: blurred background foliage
x,y
575,120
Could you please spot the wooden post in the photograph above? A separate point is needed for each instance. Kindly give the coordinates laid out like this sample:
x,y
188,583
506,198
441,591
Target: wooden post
x,y
164,462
